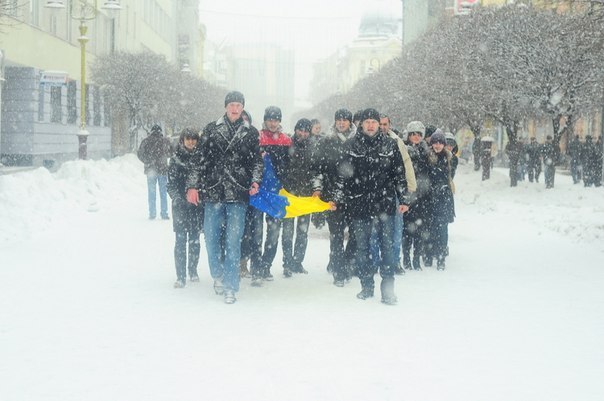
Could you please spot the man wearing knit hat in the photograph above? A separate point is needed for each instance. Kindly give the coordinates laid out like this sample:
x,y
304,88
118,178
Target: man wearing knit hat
x,y
276,146
372,179
225,171
327,158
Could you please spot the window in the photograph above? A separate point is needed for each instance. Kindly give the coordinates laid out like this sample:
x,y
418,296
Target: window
x,y
56,110
34,10
72,102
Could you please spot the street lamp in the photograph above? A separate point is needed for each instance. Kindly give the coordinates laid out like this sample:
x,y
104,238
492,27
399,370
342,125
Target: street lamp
x,y
84,10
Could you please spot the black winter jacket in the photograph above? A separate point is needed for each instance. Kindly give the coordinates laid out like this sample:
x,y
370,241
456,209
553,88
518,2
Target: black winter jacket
x,y
300,172
372,176
185,216
442,206
227,162
154,152
328,154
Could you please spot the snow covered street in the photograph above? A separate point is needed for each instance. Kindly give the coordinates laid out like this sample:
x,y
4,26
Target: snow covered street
x,y
88,312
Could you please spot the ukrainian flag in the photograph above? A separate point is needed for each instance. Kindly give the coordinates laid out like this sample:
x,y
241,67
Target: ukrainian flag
x,y
275,201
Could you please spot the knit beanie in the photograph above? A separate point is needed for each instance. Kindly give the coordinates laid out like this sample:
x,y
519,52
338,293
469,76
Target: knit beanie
x,y
343,114
272,113
416,126
372,114
303,124
438,137
234,97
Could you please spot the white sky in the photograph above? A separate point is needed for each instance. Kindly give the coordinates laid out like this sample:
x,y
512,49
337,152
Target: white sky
x,y
314,28
317,26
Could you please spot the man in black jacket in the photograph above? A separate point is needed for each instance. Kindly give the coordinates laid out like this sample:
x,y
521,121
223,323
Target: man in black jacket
x,y
327,158
372,177
298,181
226,170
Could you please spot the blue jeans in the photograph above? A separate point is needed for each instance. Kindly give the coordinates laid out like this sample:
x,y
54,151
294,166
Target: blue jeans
x,y
231,216
397,242
384,228
152,183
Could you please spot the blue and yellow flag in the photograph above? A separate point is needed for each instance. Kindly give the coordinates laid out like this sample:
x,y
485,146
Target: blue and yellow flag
x,y
275,201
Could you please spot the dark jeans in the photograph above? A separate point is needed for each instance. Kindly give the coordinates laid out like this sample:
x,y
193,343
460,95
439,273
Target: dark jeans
x,y
180,254
550,172
439,239
513,174
340,259
293,254
251,244
384,226
534,170
575,170
273,229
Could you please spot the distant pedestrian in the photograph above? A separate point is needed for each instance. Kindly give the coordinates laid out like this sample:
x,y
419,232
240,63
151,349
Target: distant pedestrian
x,y
551,153
575,152
441,197
154,152
532,153
486,156
514,150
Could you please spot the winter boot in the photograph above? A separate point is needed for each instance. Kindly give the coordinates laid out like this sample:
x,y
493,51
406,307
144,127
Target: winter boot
x,y
440,264
229,297
366,292
387,290
398,270
179,284
243,271
287,273
218,286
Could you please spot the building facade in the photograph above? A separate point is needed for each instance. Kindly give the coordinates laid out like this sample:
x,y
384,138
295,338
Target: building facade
x,y
378,41
40,95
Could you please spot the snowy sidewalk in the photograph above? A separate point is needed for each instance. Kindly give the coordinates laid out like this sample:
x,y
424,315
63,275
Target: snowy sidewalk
x,y
88,312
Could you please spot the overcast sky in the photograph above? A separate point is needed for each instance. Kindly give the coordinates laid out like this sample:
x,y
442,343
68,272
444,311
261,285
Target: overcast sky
x,y
313,28
316,26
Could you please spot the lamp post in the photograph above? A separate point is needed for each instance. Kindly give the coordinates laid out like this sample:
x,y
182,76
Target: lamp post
x,y
83,11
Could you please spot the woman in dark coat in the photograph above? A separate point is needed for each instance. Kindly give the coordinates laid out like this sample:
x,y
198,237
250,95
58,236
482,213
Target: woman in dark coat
x,y
442,206
187,218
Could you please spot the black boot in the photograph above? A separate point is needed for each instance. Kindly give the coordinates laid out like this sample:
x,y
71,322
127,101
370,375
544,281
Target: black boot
x,y
440,264
398,270
366,292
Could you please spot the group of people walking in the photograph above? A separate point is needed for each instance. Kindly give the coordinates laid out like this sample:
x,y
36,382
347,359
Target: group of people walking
x,y
585,159
389,194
